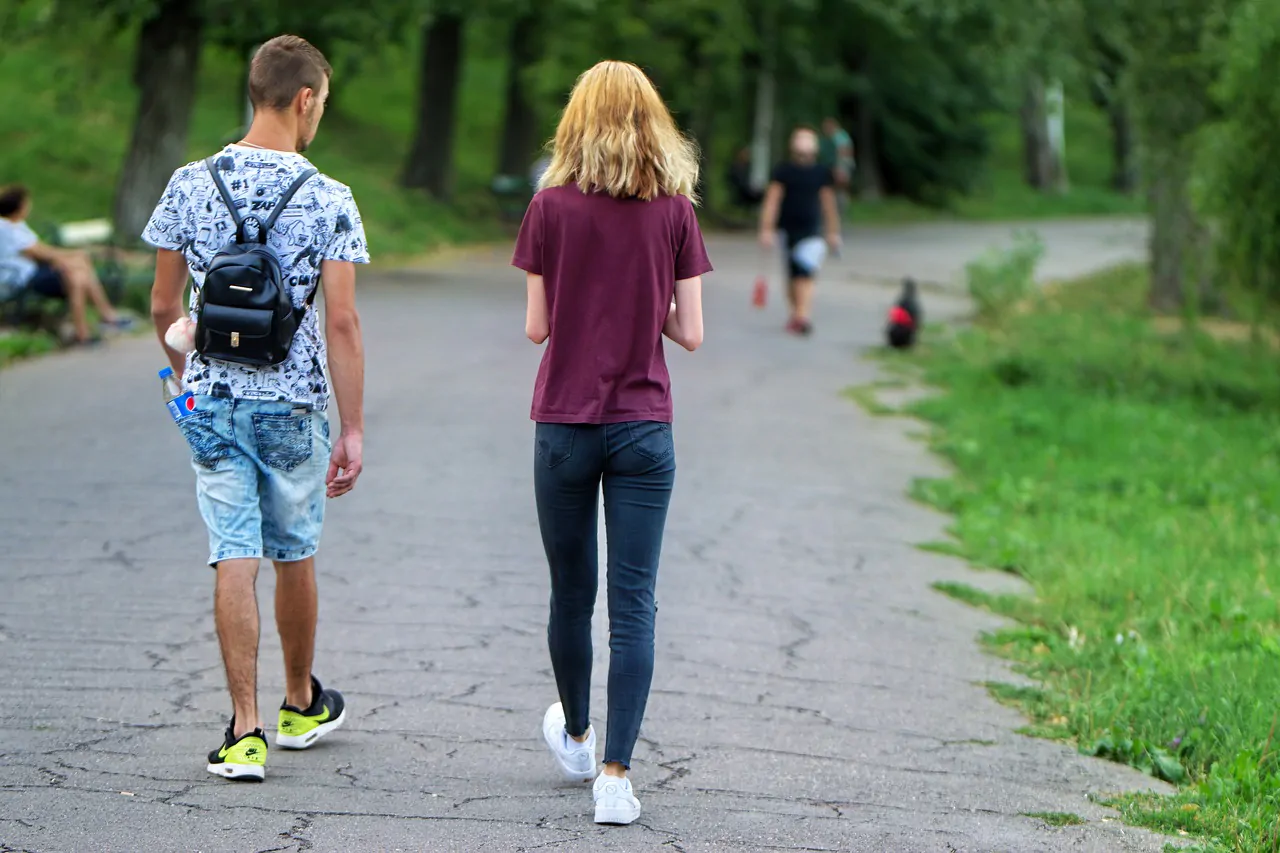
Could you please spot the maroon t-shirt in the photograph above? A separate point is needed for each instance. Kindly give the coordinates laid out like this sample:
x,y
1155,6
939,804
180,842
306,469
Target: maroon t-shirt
x,y
610,267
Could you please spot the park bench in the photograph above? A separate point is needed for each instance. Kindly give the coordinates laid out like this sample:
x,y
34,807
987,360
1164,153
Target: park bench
x,y
513,193
93,235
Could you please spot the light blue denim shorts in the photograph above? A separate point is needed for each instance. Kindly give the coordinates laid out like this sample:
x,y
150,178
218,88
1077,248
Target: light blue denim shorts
x,y
260,471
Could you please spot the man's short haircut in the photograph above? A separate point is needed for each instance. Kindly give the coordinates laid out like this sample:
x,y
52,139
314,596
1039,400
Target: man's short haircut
x,y
281,68
12,198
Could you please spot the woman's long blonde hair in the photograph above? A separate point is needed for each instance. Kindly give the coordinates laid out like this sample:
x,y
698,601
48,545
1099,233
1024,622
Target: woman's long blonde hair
x,y
616,135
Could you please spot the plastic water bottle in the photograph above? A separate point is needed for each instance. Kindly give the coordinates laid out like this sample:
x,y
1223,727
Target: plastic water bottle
x,y
760,293
179,402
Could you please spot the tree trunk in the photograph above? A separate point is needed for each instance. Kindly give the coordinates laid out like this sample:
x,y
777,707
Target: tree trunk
x,y
244,87
1180,279
430,163
866,150
1124,172
165,65
762,129
1056,129
1038,159
702,124
745,113
520,130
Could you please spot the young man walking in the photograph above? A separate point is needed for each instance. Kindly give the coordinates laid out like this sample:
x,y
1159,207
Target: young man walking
x,y
259,435
800,199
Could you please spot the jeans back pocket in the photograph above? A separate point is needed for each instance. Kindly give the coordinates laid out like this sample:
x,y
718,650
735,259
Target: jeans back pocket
x,y
651,439
554,443
284,441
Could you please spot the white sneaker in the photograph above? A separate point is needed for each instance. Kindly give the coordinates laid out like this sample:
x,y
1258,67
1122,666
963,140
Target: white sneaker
x,y
615,804
576,761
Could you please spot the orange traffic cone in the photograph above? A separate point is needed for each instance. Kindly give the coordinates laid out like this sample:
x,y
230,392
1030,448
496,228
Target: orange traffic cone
x,y
760,293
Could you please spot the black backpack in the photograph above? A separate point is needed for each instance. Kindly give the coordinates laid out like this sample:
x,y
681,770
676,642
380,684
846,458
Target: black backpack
x,y
246,312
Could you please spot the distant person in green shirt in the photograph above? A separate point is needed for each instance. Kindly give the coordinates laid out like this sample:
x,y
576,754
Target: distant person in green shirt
x,y
835,151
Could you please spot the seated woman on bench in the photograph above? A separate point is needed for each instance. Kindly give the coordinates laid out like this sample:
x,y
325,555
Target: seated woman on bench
x,y
28,264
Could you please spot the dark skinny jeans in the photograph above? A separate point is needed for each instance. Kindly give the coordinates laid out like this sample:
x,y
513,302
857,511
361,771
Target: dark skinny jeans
x,y
636,464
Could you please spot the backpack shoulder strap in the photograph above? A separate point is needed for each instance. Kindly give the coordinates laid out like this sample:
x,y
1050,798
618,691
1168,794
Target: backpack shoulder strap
x,y
211,164
302,178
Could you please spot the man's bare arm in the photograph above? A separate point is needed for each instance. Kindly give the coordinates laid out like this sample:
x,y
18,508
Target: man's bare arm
x,y
831,213
166,300
769,212
346,368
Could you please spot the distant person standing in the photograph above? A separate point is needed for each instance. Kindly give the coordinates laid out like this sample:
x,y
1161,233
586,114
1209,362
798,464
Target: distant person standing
x,y
614,261
800,200
835,151
259,437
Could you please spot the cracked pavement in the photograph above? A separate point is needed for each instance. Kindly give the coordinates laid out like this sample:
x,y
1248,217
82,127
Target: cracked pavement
x,y
811,692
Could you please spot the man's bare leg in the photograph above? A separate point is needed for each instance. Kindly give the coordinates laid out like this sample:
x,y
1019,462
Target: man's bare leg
x,y
296,612
235,612
803,295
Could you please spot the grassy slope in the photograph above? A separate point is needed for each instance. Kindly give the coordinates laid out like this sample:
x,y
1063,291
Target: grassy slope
x,y
65,125
1133,477
1003,194
64,131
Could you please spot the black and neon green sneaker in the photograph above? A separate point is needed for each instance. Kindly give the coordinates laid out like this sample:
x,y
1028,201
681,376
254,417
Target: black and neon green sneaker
x,y
243,758
299,729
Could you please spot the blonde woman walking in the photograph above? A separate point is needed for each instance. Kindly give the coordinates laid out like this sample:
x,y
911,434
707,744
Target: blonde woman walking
x,y
614,260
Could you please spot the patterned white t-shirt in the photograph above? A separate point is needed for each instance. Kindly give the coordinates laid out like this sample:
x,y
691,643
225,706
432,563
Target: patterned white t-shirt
x,y
321,223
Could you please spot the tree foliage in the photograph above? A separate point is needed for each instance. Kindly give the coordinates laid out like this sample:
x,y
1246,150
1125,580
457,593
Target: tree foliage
x,y
1173,65
1186,82
1238,184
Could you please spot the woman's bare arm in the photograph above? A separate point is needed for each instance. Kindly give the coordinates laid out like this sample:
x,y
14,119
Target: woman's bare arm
x,y
537,325
684,323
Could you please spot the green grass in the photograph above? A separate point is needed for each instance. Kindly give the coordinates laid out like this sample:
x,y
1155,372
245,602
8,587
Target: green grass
x,y
1057,818
866,396
1001,193
18,344
1132,477
65,122
65,129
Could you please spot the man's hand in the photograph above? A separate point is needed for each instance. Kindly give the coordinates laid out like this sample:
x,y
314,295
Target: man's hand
x,y
345,464
834,242
346,367
769,214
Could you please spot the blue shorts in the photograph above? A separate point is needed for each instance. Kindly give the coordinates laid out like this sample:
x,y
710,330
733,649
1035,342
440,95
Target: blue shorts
x,y
47,281
260,471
